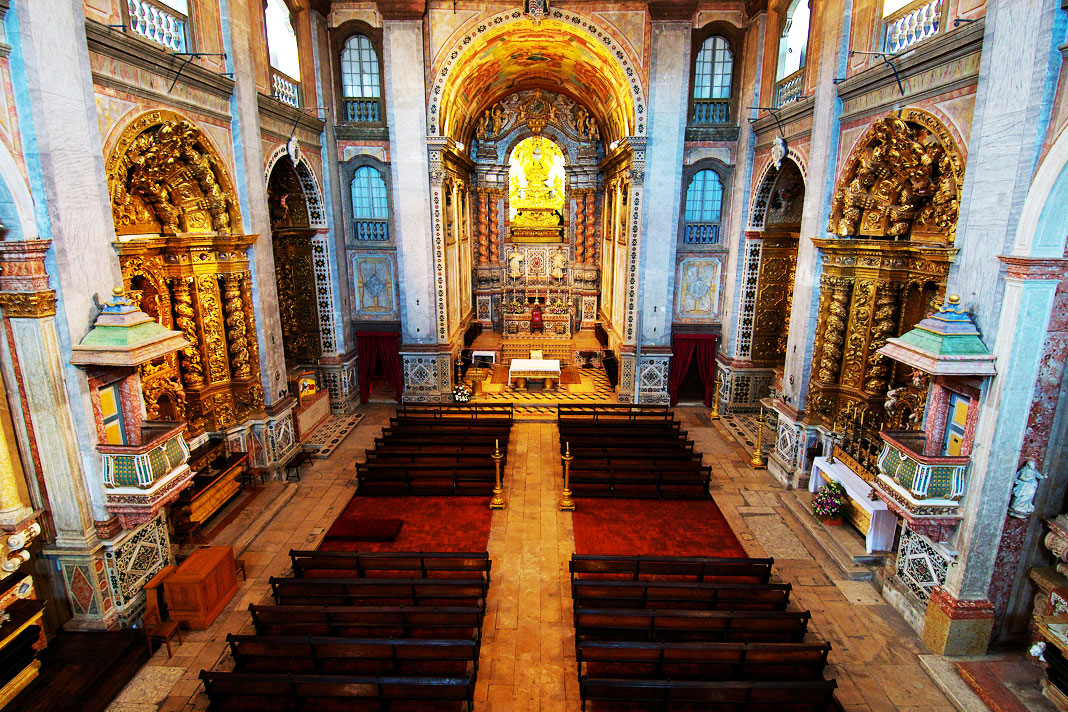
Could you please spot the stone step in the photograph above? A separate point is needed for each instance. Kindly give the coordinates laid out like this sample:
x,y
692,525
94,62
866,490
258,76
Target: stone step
x,y
844,545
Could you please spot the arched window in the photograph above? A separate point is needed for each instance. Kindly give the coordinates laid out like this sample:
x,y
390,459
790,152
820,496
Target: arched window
x,y
360,82
712,82
704,207
793,46
370,211
282,52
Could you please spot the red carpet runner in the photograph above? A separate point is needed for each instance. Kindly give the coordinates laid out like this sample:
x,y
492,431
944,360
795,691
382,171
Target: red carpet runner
x,y
650,527
430,523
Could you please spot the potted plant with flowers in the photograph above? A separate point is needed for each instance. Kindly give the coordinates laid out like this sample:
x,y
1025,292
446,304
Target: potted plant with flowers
x,y
827,504
461,393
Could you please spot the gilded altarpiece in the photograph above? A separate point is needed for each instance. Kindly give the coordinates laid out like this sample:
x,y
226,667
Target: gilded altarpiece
x,y
894,213
174,210
771,321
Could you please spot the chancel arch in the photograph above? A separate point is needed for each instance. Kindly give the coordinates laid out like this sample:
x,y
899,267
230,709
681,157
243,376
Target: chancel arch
x,y
176,214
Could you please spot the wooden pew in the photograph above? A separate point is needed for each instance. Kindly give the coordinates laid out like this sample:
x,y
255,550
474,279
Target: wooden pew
x,y
718,695
651,624
378,591
599,447
452,622
386,479
353,656
264,692
439,411
682,481
702,661
447,445
681,595
679,568
609,412
389,456
424,564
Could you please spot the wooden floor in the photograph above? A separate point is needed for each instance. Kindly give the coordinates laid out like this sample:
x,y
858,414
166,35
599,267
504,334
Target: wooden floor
x,y
83,672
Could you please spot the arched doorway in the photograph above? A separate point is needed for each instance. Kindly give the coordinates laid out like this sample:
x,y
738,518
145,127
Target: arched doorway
x,y
291,238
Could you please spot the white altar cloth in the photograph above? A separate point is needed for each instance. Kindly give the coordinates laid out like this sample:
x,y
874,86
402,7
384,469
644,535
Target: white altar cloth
x,y
534,368
880,535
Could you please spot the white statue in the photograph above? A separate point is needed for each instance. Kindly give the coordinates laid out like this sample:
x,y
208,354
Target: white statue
x,y
1023,491
558,264
514,260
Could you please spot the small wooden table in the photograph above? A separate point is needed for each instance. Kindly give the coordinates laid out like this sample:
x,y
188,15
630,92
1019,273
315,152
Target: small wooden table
x,y
521,369
295,463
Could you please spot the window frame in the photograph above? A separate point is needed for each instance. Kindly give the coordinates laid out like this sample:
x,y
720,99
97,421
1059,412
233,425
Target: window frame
x,y
348,173
338,37
735,40
725,173
272,71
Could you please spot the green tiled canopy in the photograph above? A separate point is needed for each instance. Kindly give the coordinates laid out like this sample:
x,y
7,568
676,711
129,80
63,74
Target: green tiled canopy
x,y
125,336
947,343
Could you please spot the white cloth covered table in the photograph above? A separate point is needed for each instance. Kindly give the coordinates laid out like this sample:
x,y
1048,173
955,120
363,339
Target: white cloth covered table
x,y
534,368
880,536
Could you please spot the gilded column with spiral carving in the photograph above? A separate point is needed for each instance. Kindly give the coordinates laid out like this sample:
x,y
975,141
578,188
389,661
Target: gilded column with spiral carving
x,y
207,286
591,227
236,329
834,331
856,341
878,367
494,227
483,228
580,227
184,318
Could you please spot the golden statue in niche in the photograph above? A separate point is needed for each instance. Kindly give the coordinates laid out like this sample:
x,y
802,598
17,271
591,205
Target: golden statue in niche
x,y
536,190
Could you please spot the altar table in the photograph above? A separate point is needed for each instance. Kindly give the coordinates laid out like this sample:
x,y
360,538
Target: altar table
x,y
523,368
882,524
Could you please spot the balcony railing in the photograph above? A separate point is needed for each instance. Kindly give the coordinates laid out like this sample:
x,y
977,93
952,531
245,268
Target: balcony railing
x,y
922,476
285,88
163,450
363,111
158,23
790,89
911,24
711,111
368,230
701,234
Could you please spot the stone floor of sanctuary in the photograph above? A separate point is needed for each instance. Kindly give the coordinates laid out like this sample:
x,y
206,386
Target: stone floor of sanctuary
x,y
527,660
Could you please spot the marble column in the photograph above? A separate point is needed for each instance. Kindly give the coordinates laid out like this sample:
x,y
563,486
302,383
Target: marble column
x,y
238,40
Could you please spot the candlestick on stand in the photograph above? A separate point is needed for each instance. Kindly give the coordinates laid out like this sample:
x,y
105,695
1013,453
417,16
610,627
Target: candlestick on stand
x,y
757,461
498,492
566,503
714,415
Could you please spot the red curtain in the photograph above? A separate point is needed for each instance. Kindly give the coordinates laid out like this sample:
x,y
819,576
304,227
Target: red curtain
x,y
374,347
686,348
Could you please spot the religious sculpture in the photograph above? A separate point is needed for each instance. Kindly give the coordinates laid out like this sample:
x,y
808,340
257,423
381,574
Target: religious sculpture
x,y
515,269
901,181
558,263
536,195
1024,489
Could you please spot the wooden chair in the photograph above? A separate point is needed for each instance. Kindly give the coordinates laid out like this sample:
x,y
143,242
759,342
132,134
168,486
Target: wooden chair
x,y
158,629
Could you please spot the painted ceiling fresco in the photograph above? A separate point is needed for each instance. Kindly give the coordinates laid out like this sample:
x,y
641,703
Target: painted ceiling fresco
x,y
550,55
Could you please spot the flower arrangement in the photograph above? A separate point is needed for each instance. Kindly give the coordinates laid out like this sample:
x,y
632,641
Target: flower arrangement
x,y
560,306
461,393
827,504
515,307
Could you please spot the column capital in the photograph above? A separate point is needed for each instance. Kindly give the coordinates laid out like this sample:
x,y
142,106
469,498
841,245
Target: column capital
x,y
22,265
28,305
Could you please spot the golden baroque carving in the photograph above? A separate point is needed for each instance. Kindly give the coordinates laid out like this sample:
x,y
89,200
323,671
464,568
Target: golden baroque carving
x,y
857,340
903,179
165,177
28,305
882,329
211,324
235,327
192,366
834,331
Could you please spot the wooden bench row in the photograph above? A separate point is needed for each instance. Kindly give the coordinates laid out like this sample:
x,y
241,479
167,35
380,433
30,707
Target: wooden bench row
x,y
424,564
397,479
720,696
667,625
264,692
664,482
353,656
681,595
611,412
379,591
702,661
472,411
451,622
683,568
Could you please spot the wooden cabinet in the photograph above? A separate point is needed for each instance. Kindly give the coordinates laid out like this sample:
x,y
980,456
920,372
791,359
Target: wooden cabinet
x,y
18,658
198,590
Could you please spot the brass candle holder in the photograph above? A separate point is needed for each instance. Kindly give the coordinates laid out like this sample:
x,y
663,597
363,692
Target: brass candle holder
x,y
498,492
566,503
714,415
757,462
